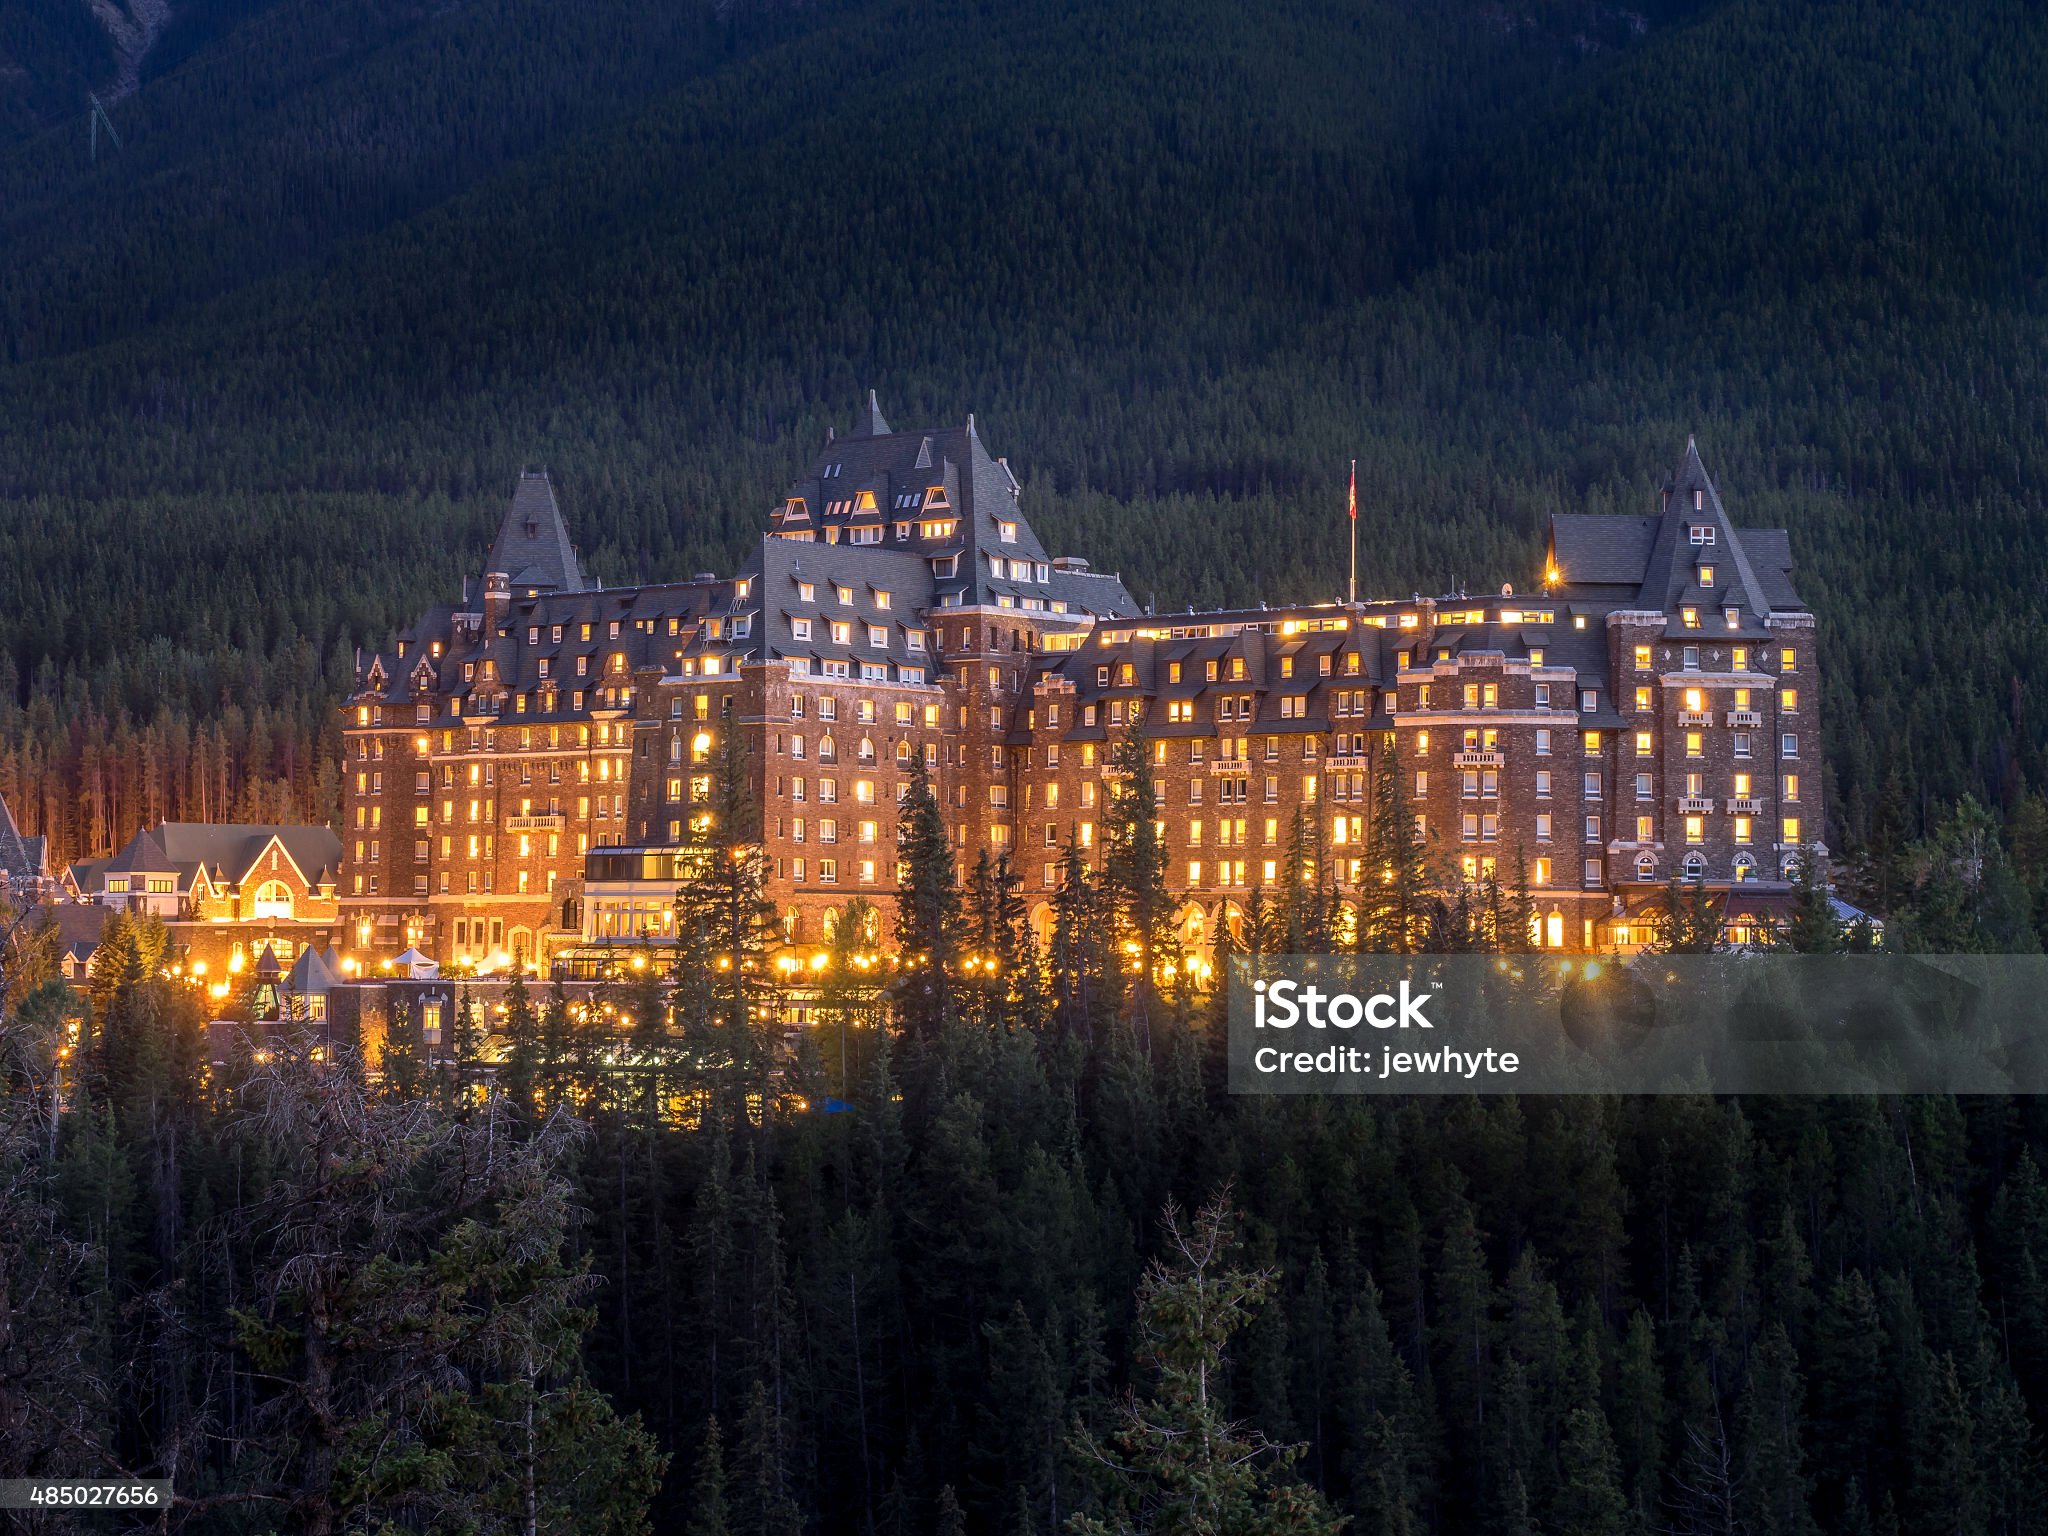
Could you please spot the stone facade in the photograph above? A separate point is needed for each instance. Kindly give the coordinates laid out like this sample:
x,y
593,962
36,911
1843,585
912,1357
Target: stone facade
x,y
523,767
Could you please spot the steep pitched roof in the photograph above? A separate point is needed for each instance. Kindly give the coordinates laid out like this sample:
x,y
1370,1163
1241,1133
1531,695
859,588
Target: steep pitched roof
x,y
532,549
1660,563
871,423
312,975
225,853
21,858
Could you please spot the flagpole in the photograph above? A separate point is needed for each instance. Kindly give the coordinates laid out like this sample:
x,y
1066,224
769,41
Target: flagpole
x,y
1352,506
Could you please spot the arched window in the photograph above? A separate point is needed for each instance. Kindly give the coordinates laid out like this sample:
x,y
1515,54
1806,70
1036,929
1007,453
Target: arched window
x,y
1745,867
1646,866
1788,866
828,923
867,750
1553,929
273,899
828,750
792,925
1695,866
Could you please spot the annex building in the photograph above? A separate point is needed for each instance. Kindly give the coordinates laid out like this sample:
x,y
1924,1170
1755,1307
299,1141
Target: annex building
x,y
523,765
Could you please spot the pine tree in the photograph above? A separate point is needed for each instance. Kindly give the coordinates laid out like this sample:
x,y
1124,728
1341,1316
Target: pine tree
x,y
1396,880
927,921
1773,1490
1174,1462
707,1493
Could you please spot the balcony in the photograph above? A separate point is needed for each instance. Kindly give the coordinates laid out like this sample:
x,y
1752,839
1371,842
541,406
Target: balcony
x,y
1230,765
1695,717
1346,762
1747,718
1480,759
1745,807
1695,805
538,823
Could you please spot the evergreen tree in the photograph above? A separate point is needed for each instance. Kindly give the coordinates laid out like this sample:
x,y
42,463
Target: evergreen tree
x,y
927,921
1174,1462
707,1493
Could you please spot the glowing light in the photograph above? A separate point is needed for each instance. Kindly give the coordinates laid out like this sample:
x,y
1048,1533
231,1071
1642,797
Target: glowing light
x,y
1592,970
198,967
639,962
235,963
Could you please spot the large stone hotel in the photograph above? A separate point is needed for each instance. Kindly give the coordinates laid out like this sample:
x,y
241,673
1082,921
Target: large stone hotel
x,y
523,765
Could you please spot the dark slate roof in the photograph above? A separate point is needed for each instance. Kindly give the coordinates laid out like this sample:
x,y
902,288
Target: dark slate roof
x,y
532,549
313,974
185,847
781,568
79,926
1603,558
932,474
22,859
1589,550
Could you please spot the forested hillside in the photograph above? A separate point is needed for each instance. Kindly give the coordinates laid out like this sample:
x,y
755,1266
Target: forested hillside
x,y
271,368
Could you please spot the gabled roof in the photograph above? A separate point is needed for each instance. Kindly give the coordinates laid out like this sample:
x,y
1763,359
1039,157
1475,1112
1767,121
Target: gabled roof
x,y
222,854
532,550
21,858
1654,563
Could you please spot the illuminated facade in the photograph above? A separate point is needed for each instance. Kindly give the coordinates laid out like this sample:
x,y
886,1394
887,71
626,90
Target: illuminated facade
x,y
226,893
523,767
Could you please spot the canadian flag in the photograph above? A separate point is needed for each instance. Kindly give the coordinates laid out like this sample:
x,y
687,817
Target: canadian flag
x,y
1351,504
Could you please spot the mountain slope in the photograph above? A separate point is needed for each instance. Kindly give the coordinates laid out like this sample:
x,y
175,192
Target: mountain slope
x,y
1183,261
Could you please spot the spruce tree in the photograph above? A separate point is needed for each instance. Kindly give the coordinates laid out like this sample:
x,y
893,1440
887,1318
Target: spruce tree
x,y
1173,1461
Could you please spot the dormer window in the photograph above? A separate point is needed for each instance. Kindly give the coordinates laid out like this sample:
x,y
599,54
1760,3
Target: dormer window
x,y
1690,617
1007,532
742,588
1706,576
807,592
844,594
1702,534
1733,616
881,598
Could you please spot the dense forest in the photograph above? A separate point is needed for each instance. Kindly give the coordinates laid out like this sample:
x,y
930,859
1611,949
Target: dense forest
x,y
268,370
988,1248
